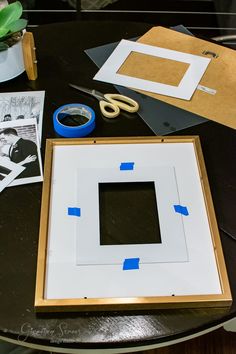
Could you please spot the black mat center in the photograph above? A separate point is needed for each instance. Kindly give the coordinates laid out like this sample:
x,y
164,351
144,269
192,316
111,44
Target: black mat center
x,y
128,213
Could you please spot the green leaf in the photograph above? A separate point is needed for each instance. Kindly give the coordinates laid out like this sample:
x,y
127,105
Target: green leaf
x,y
3,46
17,25
3,31
10,13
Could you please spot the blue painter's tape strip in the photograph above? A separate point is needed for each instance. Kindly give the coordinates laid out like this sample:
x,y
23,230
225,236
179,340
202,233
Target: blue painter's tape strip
x,y
74,211
131,263
124,166
181,209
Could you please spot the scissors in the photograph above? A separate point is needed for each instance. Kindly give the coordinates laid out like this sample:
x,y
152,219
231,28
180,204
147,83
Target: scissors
x,y
110,103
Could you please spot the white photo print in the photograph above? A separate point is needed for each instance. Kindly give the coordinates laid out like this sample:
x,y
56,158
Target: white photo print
x,y
19,145
17,106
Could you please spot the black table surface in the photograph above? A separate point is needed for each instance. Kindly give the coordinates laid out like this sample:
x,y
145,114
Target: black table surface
x,y
61,59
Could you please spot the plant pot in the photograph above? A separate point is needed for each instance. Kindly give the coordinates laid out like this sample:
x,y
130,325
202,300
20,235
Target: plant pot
x,y
11,62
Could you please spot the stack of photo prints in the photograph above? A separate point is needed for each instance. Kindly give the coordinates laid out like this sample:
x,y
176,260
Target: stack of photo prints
x,y
21,116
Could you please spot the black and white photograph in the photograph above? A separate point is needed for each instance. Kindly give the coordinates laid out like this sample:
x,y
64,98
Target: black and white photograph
x,y
16,106
20,145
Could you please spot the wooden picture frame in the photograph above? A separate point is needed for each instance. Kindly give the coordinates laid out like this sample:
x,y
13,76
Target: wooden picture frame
x,y
70,280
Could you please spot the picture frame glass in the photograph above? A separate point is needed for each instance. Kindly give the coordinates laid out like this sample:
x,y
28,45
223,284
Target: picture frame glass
x,y
118,226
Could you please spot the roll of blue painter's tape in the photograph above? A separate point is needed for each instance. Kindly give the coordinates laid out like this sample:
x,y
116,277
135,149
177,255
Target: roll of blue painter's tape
x,y
74,120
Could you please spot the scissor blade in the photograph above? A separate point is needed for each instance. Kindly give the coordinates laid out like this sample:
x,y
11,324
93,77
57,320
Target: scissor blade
x,y
98,95
82,89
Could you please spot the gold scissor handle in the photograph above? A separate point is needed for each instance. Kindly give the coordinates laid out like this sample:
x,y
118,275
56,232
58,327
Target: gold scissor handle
x,y
123,102
108,109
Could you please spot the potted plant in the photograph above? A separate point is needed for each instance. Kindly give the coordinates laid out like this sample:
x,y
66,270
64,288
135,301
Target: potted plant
x,y
11,27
